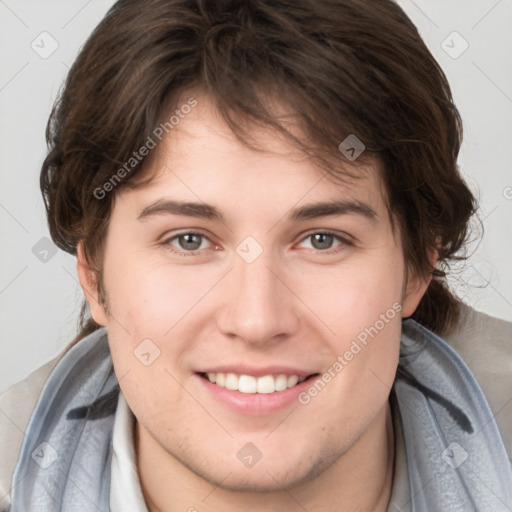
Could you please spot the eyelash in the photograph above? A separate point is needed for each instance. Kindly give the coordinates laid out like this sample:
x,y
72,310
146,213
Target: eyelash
x,y
344,242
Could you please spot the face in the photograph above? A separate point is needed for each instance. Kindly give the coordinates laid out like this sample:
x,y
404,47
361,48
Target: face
x,y
292,310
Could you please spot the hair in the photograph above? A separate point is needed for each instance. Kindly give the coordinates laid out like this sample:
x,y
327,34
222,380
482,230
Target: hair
x,y
342,67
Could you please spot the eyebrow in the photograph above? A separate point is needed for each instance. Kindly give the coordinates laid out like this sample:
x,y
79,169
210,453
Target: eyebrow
x,y
306,212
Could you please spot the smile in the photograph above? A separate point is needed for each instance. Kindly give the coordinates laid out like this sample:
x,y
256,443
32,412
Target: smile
x,y
249,384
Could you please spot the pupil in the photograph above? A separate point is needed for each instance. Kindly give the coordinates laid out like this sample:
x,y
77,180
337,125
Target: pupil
x,y
325,241
320,241
191,241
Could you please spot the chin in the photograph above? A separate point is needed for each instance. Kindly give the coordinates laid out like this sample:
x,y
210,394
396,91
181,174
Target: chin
x,y
270,475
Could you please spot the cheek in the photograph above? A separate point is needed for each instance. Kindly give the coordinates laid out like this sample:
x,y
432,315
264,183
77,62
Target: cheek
x,y
361,305
151,298
353,295
151,307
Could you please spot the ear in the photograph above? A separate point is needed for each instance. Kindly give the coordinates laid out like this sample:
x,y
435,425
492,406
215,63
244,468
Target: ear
x,y
89,283
415,289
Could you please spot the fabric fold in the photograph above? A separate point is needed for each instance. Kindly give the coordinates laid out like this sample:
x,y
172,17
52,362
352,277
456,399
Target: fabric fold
x,y
64,461
455,456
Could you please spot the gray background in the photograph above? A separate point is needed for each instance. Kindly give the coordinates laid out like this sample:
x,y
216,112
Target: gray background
x,y
39,291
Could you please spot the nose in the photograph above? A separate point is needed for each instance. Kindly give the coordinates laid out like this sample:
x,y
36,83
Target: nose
x,y
258,306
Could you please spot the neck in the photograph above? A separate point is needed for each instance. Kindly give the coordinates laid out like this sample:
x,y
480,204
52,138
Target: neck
x,y
360,479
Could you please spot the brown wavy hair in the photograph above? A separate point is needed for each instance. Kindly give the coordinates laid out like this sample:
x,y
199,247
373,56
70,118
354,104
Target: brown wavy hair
x,y
342,67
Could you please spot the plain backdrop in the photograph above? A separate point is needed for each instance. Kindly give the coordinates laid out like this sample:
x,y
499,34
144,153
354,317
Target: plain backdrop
x,y
39,39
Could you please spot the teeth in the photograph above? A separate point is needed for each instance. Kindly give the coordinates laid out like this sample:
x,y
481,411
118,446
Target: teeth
x,y
231,381
281,382
249,384
220,379
292,380
265,384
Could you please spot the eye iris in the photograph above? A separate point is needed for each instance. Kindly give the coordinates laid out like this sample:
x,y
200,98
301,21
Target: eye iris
x,y
322,241
192,241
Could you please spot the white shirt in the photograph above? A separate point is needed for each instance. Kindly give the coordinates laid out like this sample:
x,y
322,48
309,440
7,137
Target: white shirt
x,y
125,489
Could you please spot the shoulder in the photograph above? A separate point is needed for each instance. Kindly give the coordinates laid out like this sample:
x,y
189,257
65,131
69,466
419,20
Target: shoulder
x,y
485,344
16,406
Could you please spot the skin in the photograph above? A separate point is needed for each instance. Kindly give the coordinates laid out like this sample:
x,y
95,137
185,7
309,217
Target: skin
x,y
294,305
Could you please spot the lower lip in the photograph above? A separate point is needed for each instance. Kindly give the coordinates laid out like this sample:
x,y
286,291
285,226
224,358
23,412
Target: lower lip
x,y
256,403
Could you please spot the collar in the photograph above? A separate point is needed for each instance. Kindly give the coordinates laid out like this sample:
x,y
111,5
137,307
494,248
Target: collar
x,y
455,456
126,492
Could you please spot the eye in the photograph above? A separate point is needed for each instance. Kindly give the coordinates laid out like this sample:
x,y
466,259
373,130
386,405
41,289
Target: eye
x,y
323,240
187,242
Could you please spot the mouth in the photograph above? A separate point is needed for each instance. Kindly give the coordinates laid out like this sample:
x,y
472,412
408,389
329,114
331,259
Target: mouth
x,y
250,384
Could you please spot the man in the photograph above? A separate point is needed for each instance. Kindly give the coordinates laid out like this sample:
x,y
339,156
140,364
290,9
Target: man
x,y
262,197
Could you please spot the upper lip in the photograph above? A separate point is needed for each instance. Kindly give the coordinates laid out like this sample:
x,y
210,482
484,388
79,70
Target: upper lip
x,y
243,369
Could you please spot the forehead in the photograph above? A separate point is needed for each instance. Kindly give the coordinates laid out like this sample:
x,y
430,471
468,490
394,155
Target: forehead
x,y
201,159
